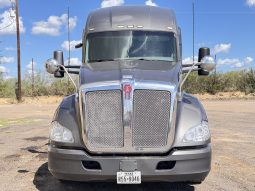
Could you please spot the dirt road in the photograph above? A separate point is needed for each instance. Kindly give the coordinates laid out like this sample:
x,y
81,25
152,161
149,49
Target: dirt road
x,y
23,150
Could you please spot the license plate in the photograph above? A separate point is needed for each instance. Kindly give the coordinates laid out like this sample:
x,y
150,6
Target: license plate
x,y
129,177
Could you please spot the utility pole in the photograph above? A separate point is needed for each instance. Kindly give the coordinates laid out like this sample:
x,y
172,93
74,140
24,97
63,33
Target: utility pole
x,y
33,86
193,34
18,53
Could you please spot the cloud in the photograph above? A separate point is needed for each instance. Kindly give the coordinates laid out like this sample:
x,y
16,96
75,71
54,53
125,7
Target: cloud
x,y
6,77
30,68
5,3
222,48
150,3
53,25
111,3
248,60
74,61
235,62
3,69
9,49
8,24
229,61
6,60
189,60
65,44
250,3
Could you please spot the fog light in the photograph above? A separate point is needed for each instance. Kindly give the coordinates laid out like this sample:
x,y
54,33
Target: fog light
x,y
59,133
198,133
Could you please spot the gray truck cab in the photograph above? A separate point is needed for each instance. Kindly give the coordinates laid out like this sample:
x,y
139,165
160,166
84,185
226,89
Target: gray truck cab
x,y
129,120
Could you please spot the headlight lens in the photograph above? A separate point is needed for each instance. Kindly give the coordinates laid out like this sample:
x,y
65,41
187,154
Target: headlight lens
x,y
198,133
59,133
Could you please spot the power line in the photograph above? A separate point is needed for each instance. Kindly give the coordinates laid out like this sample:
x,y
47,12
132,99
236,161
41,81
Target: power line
x,y
11,18
216,12
7,25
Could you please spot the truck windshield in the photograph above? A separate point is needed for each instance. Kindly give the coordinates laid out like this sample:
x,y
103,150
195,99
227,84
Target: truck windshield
x,y
131,45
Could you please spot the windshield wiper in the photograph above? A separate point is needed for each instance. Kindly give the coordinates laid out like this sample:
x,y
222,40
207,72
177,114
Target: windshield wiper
x,y
135,59
102,60
146,59
119,59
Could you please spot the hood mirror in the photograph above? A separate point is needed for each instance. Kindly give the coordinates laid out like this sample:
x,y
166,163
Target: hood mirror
x,y
52,66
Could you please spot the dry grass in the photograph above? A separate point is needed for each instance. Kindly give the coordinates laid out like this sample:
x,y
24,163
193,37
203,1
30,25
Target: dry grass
x,y
39,99
57,99
226,96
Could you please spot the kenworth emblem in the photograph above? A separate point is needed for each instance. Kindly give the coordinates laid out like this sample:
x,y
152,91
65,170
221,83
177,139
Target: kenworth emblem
x,y
127,91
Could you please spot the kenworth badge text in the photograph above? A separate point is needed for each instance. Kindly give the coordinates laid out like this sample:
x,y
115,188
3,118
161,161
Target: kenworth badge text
x,y
129,120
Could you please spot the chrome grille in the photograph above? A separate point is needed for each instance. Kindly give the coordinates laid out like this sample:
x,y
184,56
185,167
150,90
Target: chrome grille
x,y
150,118
103,118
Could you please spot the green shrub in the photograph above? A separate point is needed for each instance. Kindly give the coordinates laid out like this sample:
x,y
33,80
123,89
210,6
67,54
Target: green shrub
x,y
7,87
246,81
243,81
46,85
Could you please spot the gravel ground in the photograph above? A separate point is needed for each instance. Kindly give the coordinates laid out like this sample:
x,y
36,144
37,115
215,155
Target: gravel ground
x,y
23,148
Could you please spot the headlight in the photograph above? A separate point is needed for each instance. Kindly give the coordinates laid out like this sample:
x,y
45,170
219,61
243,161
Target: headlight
x,y
198,133
59,133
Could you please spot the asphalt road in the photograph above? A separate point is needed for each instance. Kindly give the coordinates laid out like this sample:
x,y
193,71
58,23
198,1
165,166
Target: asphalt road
x,y
24,137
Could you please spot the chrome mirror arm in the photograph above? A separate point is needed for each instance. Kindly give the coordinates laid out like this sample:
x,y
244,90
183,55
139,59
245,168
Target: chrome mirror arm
x,y
64,68
187,75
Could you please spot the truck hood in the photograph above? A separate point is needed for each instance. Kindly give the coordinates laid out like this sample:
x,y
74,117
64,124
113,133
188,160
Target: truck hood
x,y
156,71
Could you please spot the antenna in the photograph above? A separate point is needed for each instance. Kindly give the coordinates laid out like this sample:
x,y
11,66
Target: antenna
x,y
69,46
193,16
194,64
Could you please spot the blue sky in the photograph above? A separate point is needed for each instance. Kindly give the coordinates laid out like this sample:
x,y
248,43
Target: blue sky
x,y
226,26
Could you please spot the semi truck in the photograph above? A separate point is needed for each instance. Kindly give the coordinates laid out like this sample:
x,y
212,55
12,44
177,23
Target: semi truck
x,y
129,120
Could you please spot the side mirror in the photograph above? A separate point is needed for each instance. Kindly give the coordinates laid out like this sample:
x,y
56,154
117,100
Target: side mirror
x,y
56,66
79,45
59,57
203,52
207,64
53,65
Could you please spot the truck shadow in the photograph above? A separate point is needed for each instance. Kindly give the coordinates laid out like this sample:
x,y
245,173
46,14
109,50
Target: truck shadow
x,y
44,181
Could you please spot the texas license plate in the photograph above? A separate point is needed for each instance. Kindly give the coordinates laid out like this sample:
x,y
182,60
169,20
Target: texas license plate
x,y
129,177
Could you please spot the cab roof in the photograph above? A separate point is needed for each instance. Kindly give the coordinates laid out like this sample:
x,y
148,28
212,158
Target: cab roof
x,y
131,17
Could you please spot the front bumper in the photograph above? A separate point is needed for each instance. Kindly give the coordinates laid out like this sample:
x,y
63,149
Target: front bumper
x,y
191,165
